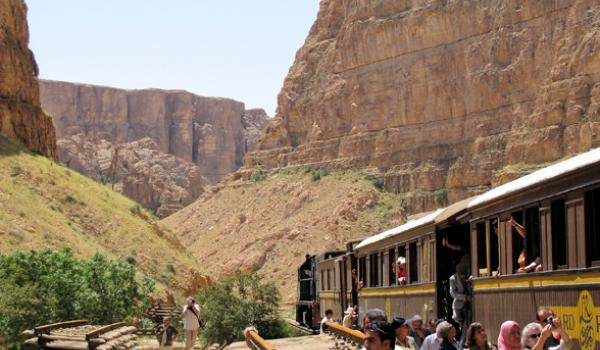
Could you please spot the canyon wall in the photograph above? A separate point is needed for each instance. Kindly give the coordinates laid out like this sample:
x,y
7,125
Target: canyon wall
x,y
187,142
21,117
440,98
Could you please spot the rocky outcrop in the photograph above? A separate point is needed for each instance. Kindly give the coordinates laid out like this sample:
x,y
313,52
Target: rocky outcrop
x,y
206,131
21,118
254,121
439,97
160,182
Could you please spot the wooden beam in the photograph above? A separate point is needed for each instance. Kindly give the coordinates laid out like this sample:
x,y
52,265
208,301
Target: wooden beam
x,y
50,327
95,333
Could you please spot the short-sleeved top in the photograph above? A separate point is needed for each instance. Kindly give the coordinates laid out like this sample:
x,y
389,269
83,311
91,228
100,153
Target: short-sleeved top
x,y
190,320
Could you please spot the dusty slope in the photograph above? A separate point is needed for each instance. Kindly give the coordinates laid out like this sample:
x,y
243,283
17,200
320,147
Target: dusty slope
x,y
45,205
269,225
440,94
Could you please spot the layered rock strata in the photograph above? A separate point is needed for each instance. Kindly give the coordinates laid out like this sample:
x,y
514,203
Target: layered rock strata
x,y
21,117
440,97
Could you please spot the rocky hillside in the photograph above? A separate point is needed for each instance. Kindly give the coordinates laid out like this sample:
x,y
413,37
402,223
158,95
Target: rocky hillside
x,y
21,118
206,136
440,96
270,222
46,205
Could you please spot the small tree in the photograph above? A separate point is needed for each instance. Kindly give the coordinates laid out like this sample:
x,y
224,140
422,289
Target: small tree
x,y
233,304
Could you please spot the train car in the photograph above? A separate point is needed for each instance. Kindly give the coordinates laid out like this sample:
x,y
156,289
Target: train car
x,y
557,209
308,313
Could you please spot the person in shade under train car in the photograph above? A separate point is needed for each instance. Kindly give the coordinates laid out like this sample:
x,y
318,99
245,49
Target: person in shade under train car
x,y
477,338
542,317
165,334
416,329
379,336
191,322
536,265
447,332
535,336
328,318
403,339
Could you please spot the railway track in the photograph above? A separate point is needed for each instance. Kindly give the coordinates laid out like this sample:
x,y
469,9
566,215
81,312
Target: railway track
x,y
300,328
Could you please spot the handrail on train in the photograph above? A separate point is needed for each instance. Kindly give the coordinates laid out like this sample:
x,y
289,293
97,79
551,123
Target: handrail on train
x,y
255,341
353,335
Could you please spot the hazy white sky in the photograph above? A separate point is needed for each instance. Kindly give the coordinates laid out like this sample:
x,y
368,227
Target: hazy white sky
x,y
240,49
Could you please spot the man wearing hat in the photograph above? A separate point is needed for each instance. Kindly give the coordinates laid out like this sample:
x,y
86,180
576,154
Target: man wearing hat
x,y
417,330
402,329
348,317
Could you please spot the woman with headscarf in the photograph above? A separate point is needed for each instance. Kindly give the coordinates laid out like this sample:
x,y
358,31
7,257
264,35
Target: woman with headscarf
x,y
477,339
447,332
510,336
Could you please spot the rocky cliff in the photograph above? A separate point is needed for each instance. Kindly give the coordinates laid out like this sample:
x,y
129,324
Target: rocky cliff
x,y
21,118
440,97
188,140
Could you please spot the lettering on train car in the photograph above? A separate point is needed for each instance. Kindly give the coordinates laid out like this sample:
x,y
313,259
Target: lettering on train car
x,y
581,322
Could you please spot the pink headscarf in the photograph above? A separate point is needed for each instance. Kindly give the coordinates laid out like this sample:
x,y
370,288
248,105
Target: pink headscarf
x,y
505,333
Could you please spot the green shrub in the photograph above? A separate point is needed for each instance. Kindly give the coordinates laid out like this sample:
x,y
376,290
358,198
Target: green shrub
x,y
317,174
259,174
233,304
41,287
376,181
441,195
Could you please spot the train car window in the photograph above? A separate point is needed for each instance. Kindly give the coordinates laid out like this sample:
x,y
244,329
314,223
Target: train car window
x,y
592,227
558,221
482,267
362,270
532,232
328,281
413,265
373,269
382,268
322,280
518,242
392,267
494,252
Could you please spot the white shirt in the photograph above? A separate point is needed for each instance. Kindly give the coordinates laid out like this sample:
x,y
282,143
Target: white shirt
x,y
325,319
190,321
431,342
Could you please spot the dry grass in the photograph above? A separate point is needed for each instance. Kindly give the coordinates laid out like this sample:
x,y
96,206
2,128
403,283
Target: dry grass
x,y
45,205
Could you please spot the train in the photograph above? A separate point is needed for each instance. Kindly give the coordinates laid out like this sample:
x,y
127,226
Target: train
x,y
532,242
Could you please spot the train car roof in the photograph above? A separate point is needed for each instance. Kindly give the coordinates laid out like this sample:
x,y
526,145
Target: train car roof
x,y
410,225
538,177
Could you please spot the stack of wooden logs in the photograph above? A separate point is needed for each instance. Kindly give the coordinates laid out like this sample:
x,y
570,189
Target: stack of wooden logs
x,y
79,335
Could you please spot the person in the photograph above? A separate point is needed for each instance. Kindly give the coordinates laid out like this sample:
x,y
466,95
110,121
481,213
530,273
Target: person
x,y
431,325
374,316
328,318
432,341
461,296
477,339
379,336
417,331
510,336
536,265
542,317
191,322
401,270
535,337
348,319
165,334
402,330
447,332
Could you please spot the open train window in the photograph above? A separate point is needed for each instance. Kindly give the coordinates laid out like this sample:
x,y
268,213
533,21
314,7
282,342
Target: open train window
x,y
382,268
482,267
323,280
362,270
392,267
592,227
558,220
494,252
413,264
518,242
532,232
373,269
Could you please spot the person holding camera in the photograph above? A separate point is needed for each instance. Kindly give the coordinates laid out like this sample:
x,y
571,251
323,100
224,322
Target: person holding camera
x,y
544,315
535,336
191,322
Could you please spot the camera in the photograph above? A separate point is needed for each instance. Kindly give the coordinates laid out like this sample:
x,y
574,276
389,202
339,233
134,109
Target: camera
x,y
549,320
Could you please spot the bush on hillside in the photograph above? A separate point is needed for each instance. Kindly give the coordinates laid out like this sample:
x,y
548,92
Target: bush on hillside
x,y
41,287
231,305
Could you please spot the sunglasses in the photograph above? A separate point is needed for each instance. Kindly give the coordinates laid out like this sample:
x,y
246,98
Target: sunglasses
x,y
534,336
374,327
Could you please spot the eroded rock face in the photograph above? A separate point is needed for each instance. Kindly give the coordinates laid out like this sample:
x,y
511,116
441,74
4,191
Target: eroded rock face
x,y
160,182
254,121
439,95
21,118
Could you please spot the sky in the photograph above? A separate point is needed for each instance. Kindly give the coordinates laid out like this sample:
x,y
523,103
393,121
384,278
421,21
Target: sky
x,y
241,49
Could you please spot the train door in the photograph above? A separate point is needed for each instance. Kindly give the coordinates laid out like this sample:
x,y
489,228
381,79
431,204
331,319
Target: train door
x,y
453,247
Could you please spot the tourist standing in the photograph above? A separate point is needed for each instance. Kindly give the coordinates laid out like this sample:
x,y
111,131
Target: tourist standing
x,y
510,336
328,318
191,322
165,334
